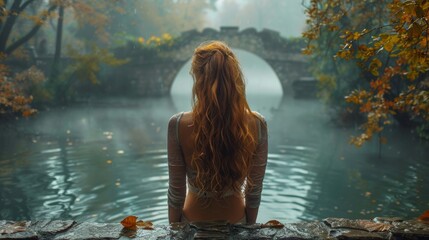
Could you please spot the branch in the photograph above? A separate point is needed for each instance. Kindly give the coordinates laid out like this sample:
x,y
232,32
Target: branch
x,y
2,12
23,6
10,21
30,34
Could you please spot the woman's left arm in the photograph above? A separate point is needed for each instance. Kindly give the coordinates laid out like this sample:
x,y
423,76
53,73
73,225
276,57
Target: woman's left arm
x,y
176,172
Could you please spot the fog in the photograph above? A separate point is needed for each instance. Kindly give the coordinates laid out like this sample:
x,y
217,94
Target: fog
x,y
284,16
84,121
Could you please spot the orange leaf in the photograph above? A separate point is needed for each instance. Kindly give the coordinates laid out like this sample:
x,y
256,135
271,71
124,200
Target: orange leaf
x,y
145,225
129,222
28,112
272,224
424,216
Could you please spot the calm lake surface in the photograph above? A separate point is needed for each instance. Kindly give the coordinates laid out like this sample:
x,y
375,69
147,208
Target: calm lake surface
x,y
105,160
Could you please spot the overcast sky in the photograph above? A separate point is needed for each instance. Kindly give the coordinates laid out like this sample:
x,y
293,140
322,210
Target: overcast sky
x,y
285,16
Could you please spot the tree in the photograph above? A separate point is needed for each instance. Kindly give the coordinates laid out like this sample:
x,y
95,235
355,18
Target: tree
x,y
13,87
146,18
20,20
9,13
388,41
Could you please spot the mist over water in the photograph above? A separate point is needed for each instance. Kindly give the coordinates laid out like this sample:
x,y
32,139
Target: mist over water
x,y
107,159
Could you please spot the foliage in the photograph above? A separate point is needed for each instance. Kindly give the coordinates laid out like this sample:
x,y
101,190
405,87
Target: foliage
x,y
84,67
388,41
32,82
88,28
153,17
12,94
22,19
165,40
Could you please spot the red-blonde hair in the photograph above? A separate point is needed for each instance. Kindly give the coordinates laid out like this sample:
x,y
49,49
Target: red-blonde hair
x,y
224,143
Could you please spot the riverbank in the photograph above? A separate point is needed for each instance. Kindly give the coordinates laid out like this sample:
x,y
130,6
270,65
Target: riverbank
x,y
330,228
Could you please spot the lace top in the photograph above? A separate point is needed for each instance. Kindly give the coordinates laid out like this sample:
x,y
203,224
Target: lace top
x,y
178,170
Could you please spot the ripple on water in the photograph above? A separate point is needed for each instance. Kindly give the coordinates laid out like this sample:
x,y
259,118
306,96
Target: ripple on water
x,y
89,176
287,182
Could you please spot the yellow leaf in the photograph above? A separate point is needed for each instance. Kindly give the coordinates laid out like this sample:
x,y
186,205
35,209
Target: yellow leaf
x,y
356,36
374,65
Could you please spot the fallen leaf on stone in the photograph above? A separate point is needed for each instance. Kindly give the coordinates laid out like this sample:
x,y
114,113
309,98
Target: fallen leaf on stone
x,y
13,228
424,216
373,226
129,222
272,224
145,225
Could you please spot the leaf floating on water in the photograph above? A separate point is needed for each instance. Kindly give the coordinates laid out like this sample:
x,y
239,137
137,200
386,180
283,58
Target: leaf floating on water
x,y
272,224
13,228
129,222
145,225
424,216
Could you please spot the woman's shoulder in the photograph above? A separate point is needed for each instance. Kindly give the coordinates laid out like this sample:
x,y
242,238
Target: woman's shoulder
x,y
259,117
177,117
262,127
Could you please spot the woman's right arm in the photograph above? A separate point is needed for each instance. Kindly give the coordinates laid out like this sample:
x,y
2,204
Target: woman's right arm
x,y
257,173
176,172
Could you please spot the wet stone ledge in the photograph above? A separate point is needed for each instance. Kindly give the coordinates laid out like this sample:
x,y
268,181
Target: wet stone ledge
x,y
330,228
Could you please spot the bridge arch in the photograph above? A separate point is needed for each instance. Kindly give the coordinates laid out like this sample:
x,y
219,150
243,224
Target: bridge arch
x,y
156,77
254,69
261,96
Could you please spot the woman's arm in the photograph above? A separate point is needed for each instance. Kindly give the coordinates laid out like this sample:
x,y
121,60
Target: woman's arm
x,y
257,173
176,172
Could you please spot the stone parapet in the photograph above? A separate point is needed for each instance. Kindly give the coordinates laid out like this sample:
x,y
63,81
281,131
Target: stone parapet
x,y
330,228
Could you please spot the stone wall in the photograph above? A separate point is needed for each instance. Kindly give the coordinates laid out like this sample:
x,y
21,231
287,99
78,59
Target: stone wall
x,y
330,228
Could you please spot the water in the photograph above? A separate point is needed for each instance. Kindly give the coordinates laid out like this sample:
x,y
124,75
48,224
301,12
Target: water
x,y
106,160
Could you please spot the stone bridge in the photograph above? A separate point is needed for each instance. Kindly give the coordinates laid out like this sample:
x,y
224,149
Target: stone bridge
x,y
150,75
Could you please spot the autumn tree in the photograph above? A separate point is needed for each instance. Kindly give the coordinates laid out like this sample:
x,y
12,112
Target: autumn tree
x,y
385,45
88,46
22,20
14,95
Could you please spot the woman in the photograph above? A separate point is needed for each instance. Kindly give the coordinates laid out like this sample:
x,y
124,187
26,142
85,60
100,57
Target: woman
x,y
220,147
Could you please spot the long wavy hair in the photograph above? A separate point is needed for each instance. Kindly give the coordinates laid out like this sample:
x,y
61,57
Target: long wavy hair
x,y
224,144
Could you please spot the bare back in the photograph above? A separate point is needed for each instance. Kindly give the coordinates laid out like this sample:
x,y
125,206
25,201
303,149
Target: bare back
x,y
232,207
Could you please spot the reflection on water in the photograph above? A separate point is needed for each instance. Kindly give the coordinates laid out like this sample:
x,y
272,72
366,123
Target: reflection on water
x,y
104,161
